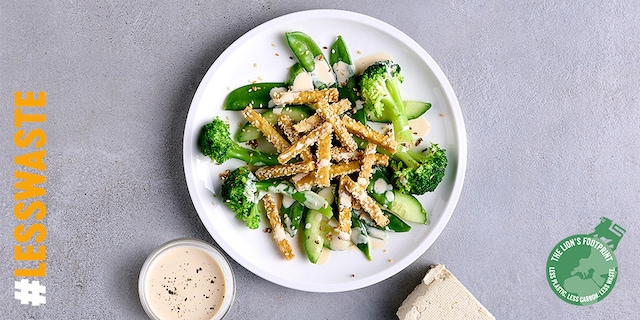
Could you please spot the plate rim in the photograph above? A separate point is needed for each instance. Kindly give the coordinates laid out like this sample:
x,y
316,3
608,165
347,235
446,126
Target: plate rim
x,y
449,95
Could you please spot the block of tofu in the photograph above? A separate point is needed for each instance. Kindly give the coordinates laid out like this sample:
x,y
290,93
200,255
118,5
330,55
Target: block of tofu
x,y
441,296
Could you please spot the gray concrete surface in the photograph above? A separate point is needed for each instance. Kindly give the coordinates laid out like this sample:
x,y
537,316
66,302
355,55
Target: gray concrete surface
x,y
549,92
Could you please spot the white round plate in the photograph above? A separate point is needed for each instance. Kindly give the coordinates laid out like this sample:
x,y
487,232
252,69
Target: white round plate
x,y
262,54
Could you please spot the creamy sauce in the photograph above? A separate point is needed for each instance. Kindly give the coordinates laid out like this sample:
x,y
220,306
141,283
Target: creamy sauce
x,y
302,82
420,126
343,72
185,283
364,62
323,72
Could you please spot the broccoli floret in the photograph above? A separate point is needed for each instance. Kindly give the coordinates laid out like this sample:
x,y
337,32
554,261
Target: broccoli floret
x,y
241,191
380,92
418,172
215,142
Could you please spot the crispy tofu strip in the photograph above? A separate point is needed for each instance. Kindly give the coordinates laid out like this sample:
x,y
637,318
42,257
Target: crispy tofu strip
x,y
368,160
276,226
385,142
304,142
323,109
282,98
340,154
367,203
381,159
284,170
266,128
315,120
286,124
344,168
344,207
324,161
304,181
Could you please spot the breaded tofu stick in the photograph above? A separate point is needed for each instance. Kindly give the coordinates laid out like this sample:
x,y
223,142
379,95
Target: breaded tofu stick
x,y
356,128
315,120
281,98
324,161
340,154
344,207
323,109
278,232
368,160
284,170
304,142
304,181
266,128
367,203
286,124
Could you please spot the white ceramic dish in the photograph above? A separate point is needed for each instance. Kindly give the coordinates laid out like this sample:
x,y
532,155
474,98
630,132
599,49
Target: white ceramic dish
x,y
151,265
263,55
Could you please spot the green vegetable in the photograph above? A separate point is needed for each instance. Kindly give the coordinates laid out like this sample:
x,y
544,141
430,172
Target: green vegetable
x,y
241,191
418,172
294,71
313,240
342,66
248,132
412,109
380,91
255,95
360,238
291,217
307,52
216,143
395,224
404,205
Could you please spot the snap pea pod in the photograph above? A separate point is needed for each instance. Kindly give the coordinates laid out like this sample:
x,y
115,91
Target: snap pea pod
x,y
340,61
304,48
255,95
309,54
294,71
361,237
291,217
395,224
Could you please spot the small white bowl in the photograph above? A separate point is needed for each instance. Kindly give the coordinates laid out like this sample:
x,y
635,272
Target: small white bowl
x,y
173,281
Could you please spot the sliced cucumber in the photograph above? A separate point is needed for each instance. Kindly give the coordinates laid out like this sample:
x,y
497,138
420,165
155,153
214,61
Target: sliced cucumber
x,y
313,240
405,206
248,132
408,207
413,110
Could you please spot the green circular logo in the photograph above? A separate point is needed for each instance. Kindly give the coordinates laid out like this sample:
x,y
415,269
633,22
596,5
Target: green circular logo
x,y
582,269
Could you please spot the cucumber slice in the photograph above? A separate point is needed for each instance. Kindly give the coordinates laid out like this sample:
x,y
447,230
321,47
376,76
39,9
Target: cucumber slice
x,y
408,207
313,240
248,132
413,110
405,206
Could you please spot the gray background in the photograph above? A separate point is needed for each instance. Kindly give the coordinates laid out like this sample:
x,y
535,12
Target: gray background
x,y
549,93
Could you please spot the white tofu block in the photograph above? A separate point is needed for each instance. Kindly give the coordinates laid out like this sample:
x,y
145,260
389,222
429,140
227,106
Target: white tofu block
x,y
441,296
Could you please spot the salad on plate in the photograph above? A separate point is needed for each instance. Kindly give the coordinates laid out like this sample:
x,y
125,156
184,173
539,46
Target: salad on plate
x,y
330,156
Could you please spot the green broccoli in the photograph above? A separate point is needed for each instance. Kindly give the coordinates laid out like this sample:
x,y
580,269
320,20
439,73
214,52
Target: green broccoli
x,y
380,92
215,142
241,191
418,172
